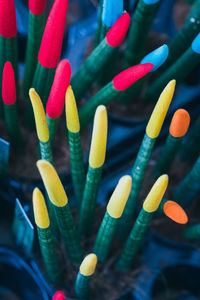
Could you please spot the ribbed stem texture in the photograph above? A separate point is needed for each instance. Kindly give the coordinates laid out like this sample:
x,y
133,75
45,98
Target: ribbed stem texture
x,y
82,286
52,125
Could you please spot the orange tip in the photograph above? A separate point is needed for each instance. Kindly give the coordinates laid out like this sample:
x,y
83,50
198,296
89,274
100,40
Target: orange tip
x,y
180,123
175,212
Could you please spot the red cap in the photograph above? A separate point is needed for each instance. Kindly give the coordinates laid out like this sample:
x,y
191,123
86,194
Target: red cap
x,y
56,101
8,84
8,22
59,296
118,31
51,45
37,6
126,78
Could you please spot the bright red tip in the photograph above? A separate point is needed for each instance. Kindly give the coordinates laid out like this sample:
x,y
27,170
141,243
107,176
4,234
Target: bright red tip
x,y
59,296
8,84
8,22
51,45
126,78
60,84
37,7
118,31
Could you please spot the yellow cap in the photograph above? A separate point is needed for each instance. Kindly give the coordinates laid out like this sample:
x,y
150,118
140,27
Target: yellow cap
x,y
40,117
160,110
72,117
119,197
40,209
156,194
88,265
52,183
99,138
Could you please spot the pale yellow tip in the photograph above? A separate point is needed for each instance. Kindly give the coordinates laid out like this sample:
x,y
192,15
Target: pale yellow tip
x,y
119,197
40,117
88,265
52,183
159,113
99,138
40,210
156,194
72,117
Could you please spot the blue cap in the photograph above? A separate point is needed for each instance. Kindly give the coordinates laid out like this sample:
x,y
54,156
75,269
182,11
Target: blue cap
x,y
112,11
196,44
150,2
157,57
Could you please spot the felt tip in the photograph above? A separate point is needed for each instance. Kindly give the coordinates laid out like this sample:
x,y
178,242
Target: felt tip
x,y
180,123
52,183
156,194
156,57
119,197
8,84
8,22
99,138
126,78
72,118
40,210
51,45
150,2
175,212
160,110
40,117
118,31
196,44
59,295
56,101
88,265
37,7
111,12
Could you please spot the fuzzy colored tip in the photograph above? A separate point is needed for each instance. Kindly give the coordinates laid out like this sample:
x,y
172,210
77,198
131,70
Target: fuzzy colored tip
x,y
59,295
159,113
156,194
126,78
118,31
51,45
8,22
180,123
40,210
52,183
119,197
150,2
156,57
175,212
37,7
40,117
99,138
88,265
111,12
72,117
8,84
196,44
60,84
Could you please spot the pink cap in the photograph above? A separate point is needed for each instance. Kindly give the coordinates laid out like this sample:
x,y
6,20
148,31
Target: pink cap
x,y
8,22
59,296
8,84
126,78
51,45
118,31
56,101
37,7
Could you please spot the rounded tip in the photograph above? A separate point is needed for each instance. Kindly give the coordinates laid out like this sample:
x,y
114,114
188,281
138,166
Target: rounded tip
x,y
40,210
8,84
119,197
59,295
175,212
156,57
111,12
37,7
126,78
196,44
180,123
150,2
88,265
156,194
8,24
118,31
72,117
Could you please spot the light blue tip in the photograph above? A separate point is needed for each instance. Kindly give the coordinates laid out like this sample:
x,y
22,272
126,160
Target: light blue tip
x,y
150,2
196,44
112,10
157,57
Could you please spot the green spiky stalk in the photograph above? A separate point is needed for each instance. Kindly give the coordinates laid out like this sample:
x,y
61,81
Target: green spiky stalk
x,y
140,25
77,165
82,286
45,151
49,254
134,240
52,125
192,232
138,171
89,200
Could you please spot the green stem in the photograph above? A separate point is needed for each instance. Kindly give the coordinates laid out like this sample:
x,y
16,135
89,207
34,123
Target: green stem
x,y
45,151
52,125
192,232
99,17
82,286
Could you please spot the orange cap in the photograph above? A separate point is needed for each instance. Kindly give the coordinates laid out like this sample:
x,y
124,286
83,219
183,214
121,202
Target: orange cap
x,y
175,212
180,123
